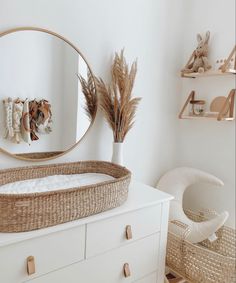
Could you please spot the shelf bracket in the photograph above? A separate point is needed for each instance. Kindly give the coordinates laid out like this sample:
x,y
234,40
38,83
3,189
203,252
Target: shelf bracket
x,y
190,97
187,64
229,101
225,66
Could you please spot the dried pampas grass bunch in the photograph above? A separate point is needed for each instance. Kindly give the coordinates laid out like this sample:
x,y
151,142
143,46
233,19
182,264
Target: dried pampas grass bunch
x,y
89,90
116,102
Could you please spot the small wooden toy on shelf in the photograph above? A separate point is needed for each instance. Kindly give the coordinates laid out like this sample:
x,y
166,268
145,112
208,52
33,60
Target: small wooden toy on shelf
x,y
227,66
221,108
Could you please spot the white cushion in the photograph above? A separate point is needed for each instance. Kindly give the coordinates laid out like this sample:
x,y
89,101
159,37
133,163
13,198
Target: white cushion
x,y
53,183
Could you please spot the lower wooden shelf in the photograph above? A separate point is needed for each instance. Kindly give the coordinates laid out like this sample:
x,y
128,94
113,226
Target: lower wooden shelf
x,y
226,112
207,116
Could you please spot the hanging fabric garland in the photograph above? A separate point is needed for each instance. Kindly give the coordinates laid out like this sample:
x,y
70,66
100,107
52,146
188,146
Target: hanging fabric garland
x,y
25,123
8,105
17,115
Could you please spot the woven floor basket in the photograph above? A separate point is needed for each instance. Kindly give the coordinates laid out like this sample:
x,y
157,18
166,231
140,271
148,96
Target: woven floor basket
x,y
26,212
205,262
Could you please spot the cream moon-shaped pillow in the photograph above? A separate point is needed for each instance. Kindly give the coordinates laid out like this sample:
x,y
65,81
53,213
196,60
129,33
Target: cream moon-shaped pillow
x,y
175,182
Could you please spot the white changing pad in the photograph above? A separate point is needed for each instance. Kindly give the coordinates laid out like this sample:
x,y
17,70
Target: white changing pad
x,y
53,183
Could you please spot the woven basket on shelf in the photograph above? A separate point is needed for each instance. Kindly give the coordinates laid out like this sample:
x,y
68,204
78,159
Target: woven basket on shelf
x,y
205,262
26,212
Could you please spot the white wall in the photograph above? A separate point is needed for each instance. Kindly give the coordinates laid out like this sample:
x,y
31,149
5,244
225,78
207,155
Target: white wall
x,y
209,145
99,28
83,121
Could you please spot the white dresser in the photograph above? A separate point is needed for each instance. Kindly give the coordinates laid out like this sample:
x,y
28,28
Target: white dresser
x,y
126,244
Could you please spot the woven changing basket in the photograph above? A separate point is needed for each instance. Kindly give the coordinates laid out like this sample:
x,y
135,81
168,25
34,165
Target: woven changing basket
x,y
205,262
26,212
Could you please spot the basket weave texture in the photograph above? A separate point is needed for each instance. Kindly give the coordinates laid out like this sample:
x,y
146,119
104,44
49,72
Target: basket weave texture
x,y
205,262
26,212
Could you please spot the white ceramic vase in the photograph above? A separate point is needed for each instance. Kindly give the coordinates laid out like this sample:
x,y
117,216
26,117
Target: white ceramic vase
x,y
117,155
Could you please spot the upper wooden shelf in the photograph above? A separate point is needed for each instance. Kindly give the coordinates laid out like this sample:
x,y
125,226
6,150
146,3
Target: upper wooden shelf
x,y
228,67
209,74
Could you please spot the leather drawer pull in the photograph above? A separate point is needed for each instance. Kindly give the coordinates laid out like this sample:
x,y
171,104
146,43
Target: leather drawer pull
x,y
127,270
128,233
30,265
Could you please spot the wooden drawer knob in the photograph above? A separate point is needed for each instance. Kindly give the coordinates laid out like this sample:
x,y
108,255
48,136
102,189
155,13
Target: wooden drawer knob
x,y
30,265
128,232
127,270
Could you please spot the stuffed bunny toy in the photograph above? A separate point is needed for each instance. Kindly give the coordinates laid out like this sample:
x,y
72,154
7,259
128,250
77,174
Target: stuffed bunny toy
x,y
200,61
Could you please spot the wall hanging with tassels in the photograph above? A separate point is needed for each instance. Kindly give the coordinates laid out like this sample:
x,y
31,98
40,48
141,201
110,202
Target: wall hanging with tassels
x,y
25,120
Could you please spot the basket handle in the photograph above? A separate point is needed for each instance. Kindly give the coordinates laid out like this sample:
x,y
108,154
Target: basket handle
x,y
184,235
185,227
208,212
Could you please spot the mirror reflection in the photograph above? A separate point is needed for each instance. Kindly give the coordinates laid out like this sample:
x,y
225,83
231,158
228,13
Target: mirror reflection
x,y
47,93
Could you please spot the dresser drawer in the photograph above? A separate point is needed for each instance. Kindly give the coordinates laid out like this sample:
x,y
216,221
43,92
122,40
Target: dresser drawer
x,y
50,252
111,233
141,257
148,279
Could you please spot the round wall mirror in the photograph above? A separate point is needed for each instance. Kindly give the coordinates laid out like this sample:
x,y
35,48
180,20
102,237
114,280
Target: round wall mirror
x,y
47,92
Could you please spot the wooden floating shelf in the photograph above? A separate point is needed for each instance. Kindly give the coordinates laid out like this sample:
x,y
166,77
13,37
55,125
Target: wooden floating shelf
x,y
209,74
225,70
226,112
206,116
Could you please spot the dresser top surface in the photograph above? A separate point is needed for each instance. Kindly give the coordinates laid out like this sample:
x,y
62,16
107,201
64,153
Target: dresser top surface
x,y
140,196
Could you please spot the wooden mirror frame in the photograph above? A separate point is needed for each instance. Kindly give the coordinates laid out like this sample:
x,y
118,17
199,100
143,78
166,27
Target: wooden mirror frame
x,y
48,155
